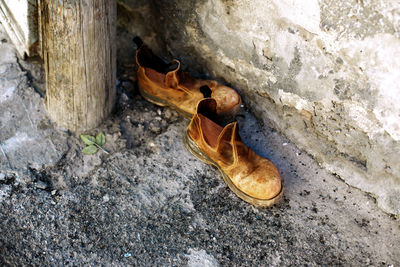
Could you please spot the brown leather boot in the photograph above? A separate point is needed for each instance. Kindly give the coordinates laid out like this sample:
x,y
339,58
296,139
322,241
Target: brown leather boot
x,y
167,85
251,177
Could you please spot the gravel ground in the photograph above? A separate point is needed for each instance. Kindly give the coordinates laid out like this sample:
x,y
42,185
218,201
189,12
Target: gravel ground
x,y
151,203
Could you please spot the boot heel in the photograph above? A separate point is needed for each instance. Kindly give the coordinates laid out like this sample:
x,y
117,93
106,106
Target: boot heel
x,y
152,99
192,147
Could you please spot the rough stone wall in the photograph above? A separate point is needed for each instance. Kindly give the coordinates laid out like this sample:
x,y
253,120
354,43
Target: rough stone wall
x,y
324,73
19,18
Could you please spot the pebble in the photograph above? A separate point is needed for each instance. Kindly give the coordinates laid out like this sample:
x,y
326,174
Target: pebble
x,y
154,128
41,185
124,98
167,114
129,86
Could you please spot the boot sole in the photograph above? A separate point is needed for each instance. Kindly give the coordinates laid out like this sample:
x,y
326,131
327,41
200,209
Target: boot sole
x,y
198,153
163,103
228,115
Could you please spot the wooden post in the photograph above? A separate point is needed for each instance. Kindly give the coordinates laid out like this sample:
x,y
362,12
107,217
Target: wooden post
x,y
79,52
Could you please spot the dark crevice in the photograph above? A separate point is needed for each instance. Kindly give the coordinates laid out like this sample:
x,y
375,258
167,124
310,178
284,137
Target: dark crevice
x,y
8,180
33,81
206,91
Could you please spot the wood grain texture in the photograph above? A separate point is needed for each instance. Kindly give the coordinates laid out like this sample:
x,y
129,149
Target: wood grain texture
x,y
79,52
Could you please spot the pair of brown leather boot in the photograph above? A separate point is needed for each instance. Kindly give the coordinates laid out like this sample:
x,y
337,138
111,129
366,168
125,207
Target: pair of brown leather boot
x,y
251,177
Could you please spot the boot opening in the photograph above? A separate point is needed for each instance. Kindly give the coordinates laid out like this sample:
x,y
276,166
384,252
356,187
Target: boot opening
x,y
207,107
172,66
206,91
147,59
138,41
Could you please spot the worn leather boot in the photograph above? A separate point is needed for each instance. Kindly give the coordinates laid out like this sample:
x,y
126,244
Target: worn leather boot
x,y
251,177
167,85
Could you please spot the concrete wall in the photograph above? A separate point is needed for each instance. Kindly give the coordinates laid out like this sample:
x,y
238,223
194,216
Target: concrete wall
x,y
324,73
19,18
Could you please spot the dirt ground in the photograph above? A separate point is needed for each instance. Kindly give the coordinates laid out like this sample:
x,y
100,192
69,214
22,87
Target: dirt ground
x,y
151,203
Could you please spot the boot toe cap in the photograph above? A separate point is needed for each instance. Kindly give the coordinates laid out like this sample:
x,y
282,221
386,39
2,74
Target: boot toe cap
x,y
264,183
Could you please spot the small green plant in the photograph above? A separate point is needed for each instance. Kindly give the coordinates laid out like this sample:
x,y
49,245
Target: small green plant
x,y
93,143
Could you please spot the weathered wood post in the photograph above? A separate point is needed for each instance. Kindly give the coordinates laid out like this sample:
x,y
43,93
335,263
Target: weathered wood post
x,y
79,53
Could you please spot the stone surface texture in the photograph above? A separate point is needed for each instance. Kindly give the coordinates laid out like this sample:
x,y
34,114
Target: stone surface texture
x,y
324,73
151,203
25,134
